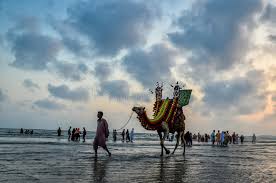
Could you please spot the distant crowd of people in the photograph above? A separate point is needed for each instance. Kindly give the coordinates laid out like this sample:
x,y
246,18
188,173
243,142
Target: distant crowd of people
x,y
27,131
222,138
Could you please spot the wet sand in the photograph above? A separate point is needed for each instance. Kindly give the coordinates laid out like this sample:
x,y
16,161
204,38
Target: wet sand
x,y
57,160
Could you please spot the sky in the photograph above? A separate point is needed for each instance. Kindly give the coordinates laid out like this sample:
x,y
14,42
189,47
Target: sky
x,y
62,61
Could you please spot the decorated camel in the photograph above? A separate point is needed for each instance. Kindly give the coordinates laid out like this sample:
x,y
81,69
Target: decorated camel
x,y
168,116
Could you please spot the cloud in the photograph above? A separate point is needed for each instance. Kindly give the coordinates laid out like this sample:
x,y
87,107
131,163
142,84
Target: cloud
x,y
64,92
269,14
48,104
216,32
243,94
71,71
112,25
143,96
151,65
70,38
118,89
28,83
102,70
32,50
272,38
3,96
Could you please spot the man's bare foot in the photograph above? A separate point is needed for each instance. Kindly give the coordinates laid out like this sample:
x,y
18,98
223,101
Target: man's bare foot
x,y
109,154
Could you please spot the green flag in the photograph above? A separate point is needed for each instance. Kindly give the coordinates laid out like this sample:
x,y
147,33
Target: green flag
x,y
184,97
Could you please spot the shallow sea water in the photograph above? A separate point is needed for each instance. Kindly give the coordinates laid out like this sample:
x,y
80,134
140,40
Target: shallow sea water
x,y
44,157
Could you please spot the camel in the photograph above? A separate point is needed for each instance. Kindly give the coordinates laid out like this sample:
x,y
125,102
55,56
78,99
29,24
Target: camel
x,y
168,117
178,127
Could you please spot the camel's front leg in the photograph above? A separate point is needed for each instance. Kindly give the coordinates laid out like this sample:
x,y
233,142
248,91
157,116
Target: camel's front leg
x,y
166,130
160,137
179,135
184,142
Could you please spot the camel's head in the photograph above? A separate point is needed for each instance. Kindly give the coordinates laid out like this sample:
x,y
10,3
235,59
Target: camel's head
x,y
139,110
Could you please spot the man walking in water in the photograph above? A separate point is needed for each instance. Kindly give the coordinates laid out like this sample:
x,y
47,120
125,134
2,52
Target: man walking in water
x,y
101,134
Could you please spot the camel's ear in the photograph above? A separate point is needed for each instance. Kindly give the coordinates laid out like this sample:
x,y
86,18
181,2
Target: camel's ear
x,y
144,108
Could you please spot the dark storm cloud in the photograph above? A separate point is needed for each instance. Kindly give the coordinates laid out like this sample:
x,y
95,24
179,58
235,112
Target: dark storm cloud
x,y
71,71
150,66
115,89
64,92
245,94
112,25
214,31
34,51
28,83
69,37
48,104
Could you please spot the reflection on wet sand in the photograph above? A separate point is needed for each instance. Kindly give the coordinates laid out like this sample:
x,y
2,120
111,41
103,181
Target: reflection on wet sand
x,y
171,169
99,169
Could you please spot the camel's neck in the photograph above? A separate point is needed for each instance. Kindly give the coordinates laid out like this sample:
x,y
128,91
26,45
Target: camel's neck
x,y
165,113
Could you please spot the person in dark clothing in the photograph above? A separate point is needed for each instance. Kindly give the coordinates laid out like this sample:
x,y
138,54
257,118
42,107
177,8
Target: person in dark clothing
x,y
123,135
114,135
21,130
73,134
127,136
187,138
83,134
69,133
59,131
191,139
32,132
242,139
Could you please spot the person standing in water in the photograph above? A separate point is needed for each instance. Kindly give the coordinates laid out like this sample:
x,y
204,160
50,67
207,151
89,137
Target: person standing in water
x,y
69,133
83,134
213,137
132,135
73,134
127,136
114,135
221,138
242,139
102,134
59,131
254,138
123,135
218,138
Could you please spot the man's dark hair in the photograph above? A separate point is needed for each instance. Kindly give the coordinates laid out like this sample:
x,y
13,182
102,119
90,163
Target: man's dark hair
x,y
100,112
